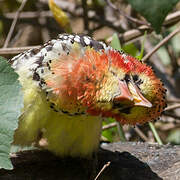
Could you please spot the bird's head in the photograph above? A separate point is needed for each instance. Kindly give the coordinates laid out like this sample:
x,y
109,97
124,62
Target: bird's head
x,y
107,83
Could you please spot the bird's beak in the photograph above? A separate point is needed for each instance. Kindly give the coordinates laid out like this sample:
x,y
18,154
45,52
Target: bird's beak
x,y
125,93
138,98
131,93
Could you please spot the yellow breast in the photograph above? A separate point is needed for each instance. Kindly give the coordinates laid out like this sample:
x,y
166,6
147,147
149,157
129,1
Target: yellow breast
x,y
65,135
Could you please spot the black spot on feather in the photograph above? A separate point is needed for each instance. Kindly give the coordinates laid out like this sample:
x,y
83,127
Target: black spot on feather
x,y
49,48
82,41
34,51
96,45
36,76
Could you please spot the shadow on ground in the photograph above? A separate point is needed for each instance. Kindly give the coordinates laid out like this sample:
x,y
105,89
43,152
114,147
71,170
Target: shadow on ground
x,y
44,165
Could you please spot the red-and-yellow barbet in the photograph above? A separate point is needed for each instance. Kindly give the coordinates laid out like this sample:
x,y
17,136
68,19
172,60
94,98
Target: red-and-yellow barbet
x,y
73,81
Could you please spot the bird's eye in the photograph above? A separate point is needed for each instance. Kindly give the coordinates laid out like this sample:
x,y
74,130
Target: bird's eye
x,y
127,78
137,80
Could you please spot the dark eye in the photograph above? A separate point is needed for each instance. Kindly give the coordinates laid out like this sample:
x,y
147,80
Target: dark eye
x,y
127,78
137,80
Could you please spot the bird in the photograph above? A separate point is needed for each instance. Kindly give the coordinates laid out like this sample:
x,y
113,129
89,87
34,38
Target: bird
x,y
71,83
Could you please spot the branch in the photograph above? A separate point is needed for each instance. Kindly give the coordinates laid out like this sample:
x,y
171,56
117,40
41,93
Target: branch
x,y
85,14
134,20
174,106
132,34
8,51
161,43
14,23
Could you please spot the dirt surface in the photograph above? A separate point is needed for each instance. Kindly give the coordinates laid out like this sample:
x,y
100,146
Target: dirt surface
x,y
128,161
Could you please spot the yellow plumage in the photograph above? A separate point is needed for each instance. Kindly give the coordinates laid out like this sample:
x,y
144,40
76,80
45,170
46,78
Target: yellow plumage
x,y
64,135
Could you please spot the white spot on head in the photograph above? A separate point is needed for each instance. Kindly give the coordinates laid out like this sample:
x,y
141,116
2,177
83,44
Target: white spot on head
x,y
65,37
105,47
77,38
87,41
61,35
71,36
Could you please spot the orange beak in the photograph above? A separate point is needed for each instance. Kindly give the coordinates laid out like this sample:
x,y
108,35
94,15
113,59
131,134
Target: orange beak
x,y
132,93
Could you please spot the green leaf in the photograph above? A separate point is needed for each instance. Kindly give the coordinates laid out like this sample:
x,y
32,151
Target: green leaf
x,y
140,56
164,56
154,11
109,133
115,43
174,137
175,41
11,102
130,49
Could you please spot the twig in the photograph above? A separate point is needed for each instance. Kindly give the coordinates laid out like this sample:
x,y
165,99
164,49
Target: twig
x,y
165,40
108,126
170,20
103,168
140,133
132,34
85,14
134,20
121,132
173,100
14,23
174,106
167,126
8,51
176,118
29,14
104,22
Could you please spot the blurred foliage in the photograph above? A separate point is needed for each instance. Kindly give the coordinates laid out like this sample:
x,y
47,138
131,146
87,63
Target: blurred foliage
x,y
8,6
130,49
154,11
110,134
174,136
60,16
115,43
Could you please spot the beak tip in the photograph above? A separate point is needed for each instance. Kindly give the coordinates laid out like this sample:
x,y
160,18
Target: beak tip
x,y
131,93
144,104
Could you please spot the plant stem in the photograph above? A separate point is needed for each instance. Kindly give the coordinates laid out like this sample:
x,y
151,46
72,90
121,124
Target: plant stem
x,y
153,129
121,132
